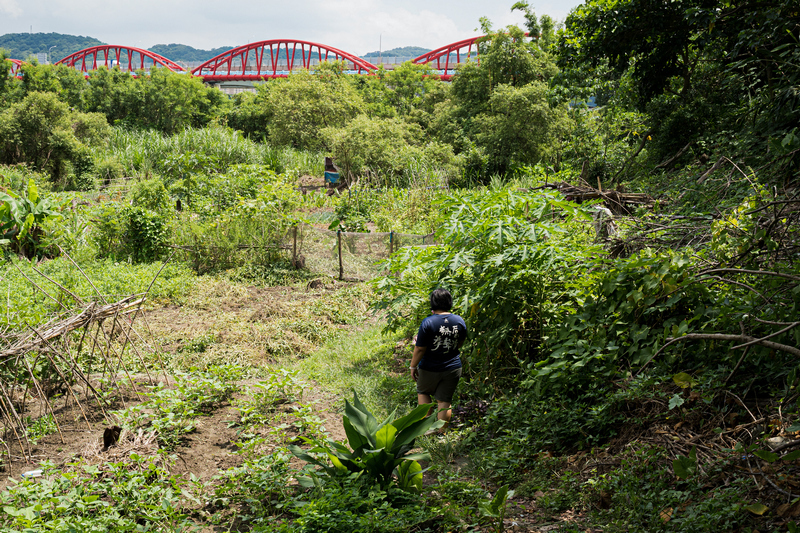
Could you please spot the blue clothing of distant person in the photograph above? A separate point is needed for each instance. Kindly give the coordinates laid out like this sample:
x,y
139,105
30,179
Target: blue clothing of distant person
x,y
436,362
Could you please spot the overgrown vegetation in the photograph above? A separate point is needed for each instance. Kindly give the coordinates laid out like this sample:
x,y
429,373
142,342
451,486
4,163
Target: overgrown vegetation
x,y
629,275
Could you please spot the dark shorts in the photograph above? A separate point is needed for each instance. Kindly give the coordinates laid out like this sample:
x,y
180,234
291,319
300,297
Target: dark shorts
x,y
440,385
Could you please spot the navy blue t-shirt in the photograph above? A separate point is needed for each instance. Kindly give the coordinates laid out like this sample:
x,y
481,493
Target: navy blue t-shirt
x,y
441,335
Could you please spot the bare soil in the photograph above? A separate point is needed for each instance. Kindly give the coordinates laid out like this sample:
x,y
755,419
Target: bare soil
x,y
210,448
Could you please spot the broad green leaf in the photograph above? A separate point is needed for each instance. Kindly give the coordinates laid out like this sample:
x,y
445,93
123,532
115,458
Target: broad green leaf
x,y
361,419
416,429
26,226
494,508
757,509
409,475
791,456
384,437
768,456
336,462
33,191
418,413
305,482
354,438
422,456
685,467
676,401
684,380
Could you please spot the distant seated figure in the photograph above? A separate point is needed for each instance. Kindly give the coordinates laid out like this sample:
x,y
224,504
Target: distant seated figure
x,y
331,172
329,166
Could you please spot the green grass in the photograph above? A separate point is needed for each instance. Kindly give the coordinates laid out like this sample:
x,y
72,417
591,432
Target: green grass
x,y
360,362
21,302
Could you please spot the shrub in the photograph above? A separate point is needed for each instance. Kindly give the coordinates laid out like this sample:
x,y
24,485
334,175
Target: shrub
x,y
109,169
303,104
151,195
145,234
387,151
39,131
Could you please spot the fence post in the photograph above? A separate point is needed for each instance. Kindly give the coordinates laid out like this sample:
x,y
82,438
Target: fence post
x,y
341,267
294,247
391,242
196,257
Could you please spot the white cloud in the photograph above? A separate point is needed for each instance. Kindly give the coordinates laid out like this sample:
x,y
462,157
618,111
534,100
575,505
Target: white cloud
x,y
10,8
356,26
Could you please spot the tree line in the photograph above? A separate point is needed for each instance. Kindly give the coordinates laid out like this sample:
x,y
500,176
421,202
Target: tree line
x,y
676,84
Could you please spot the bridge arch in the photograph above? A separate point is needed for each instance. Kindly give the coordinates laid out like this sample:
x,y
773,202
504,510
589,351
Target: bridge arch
x,y
126,58
15,64
464,50
274,58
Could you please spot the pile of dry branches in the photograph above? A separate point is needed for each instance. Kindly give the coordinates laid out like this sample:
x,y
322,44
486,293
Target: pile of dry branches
x,y
38,364
620,203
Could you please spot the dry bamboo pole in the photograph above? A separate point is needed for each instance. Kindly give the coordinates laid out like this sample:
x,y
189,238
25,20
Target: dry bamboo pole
x,y
63,377
89,386
27,385
84,274
74,296
40,289
8,448
120,362
125,345
108,366
6,400
294,246
44,396
138,309
95,345
80,347
158,352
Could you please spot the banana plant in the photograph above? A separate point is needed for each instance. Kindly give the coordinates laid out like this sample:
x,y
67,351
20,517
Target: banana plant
x,y
21,218
378,450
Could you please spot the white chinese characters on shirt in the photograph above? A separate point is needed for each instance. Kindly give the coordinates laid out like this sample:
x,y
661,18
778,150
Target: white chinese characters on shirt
x,y
446,339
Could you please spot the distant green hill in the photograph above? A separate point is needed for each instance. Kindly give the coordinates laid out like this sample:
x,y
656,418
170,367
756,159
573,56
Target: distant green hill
x,y
405,51
24,45
182,52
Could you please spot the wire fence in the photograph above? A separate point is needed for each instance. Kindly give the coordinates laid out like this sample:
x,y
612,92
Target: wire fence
x,y
344,255
347,255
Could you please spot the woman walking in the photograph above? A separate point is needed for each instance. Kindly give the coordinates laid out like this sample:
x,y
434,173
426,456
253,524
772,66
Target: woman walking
x,y
436,361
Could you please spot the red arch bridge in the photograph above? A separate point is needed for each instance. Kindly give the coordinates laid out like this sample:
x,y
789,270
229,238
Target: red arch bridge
x,y
274,58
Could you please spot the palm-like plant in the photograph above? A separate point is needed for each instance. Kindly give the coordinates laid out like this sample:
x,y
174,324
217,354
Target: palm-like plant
x,y
379,450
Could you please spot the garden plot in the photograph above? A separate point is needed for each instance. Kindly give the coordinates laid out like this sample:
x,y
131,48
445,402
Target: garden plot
x,y
198,416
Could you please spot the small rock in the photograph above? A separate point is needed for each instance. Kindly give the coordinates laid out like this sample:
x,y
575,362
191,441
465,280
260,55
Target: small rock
x,y
774,442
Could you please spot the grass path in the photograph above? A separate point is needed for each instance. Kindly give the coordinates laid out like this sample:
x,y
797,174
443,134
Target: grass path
x,y
366,361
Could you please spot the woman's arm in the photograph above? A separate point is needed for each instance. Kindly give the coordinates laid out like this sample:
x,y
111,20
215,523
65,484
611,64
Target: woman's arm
x,y
416,357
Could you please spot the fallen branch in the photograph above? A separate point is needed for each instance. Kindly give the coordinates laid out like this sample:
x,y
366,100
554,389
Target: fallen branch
x,y
708,172
668,163
724,337
91,313
745,271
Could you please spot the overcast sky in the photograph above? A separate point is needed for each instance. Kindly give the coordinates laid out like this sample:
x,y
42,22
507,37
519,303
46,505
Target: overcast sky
x,y
356,26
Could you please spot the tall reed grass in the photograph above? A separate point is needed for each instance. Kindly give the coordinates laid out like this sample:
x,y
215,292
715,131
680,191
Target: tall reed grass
x,y
144,152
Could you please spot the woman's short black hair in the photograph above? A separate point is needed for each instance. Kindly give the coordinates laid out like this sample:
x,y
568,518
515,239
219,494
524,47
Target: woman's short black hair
x,y
441,300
